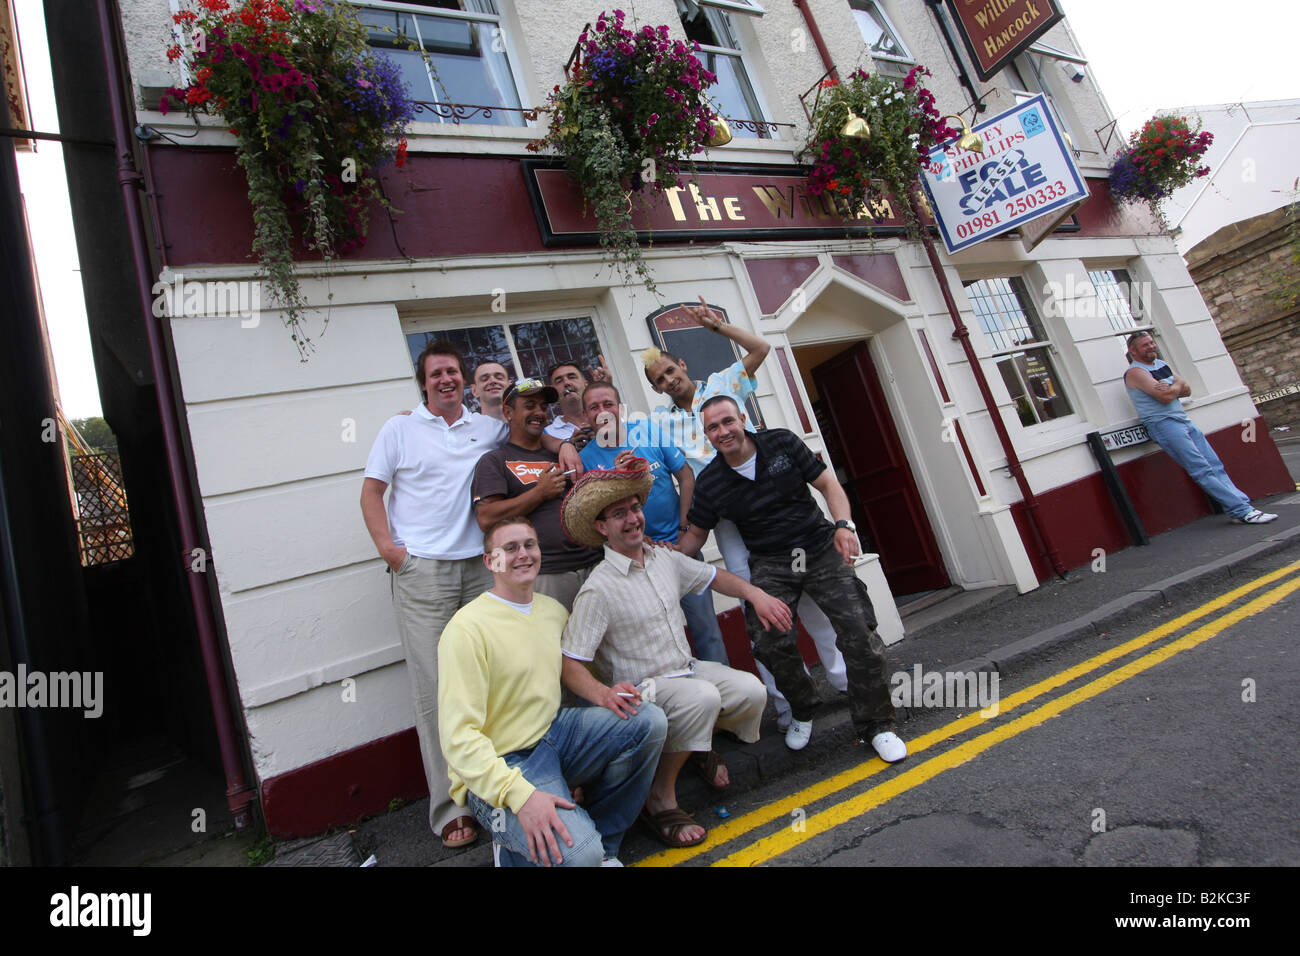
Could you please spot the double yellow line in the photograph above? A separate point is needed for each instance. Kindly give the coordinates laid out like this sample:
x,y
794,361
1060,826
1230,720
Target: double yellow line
x,y
788,837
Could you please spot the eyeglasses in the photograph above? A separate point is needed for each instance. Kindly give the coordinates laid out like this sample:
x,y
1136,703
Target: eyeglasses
x,y
622,513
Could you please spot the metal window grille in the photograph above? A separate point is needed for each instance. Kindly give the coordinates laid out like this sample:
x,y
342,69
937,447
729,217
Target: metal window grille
x,y
1004,313
1118,299
103,519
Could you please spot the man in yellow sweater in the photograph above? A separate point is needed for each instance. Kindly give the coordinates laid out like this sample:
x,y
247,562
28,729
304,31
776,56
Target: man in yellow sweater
x,y
514,755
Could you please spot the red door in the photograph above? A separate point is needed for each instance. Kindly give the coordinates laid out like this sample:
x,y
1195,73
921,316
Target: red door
x,y
888,510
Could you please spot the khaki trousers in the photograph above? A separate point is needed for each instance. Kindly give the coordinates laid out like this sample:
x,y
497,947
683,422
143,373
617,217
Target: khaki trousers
x,y
426,593
718,697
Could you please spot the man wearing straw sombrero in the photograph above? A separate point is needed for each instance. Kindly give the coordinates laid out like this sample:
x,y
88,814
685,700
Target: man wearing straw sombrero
x,y
627,626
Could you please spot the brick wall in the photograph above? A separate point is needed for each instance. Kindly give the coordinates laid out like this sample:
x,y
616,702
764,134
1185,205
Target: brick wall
x,y
1232,269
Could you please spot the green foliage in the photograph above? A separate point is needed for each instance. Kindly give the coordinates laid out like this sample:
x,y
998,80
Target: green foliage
x,y
1286,282
96,433
263,851
866,171
631,114
315,113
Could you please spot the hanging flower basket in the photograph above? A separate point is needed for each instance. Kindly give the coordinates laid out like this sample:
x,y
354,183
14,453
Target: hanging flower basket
x,y
315,114
631,114
881,157
1163,158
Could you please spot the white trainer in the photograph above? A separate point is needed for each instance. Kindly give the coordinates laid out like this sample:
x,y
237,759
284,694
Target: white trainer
x,y
890,746
1256,517
610,861
800,732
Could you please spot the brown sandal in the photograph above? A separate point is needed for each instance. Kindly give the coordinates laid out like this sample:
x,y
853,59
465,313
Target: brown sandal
x,y
460,823
674,821
707,765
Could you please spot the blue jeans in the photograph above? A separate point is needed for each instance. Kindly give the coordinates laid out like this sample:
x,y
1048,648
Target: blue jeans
x,y
1187,446
612,759
702,619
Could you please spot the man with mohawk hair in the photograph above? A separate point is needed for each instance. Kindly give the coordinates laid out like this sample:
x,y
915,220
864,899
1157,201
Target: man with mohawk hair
x,y
679,424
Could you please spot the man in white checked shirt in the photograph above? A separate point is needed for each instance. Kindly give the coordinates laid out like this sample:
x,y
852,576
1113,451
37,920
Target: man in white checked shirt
x,y
627,626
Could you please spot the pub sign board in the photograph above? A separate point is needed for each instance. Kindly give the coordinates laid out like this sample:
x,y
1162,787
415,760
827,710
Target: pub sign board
x,y
717,203
1026,171
997,31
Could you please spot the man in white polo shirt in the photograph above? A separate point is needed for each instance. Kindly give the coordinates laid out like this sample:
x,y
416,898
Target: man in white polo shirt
x,y
431,542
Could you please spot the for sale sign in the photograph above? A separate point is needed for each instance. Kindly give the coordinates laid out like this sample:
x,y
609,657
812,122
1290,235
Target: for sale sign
x,y
1025,171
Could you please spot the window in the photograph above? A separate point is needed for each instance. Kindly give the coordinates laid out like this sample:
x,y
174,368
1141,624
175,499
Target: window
x,y
1118,299
525,349
1022,351
466,42
883,41
721,53
1027,82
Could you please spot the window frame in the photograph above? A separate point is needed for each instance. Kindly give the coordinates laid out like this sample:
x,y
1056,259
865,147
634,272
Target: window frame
x,y
1141,318
1037,75
737,53
889,28
513,62
439,328
1041,343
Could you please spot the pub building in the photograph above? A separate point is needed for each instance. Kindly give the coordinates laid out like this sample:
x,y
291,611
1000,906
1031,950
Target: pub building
x,y
494,251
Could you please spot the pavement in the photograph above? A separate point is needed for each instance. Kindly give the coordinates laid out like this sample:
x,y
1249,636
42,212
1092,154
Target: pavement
x,y
993,629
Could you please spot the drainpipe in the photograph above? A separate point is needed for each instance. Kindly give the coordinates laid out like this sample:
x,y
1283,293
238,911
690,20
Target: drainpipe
x,y
806,10
962,334
239,795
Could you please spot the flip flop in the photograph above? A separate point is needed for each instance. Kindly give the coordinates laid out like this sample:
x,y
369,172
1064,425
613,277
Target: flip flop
x,y
460,823
674,820
706,765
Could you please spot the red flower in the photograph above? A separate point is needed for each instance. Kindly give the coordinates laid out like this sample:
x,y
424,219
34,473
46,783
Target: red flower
x,y
400,158
174,52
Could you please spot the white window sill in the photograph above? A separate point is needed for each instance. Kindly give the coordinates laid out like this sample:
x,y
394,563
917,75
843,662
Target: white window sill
x,y
478,138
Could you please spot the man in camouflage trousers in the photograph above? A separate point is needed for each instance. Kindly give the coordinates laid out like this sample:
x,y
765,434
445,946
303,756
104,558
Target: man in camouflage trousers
x,y
760,481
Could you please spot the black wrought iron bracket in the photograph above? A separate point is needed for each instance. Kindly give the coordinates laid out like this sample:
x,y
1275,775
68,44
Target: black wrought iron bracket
x,y
756,126
463,111
1109,130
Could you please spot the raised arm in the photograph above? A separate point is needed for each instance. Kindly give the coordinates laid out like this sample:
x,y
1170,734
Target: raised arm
x,y
755,346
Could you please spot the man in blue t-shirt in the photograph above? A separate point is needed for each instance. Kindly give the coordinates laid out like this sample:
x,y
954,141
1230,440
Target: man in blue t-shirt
x,y
1156,392
665,510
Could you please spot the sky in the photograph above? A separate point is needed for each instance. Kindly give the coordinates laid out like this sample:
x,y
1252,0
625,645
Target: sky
x,y
1148,55
1144,54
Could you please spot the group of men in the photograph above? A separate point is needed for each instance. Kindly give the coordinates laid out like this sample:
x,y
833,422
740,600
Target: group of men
x,y
585,578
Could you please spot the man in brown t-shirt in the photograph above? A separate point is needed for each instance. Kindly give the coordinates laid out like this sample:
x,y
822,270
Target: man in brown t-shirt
x,y
523,478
